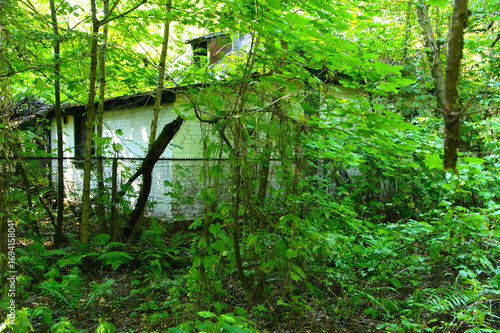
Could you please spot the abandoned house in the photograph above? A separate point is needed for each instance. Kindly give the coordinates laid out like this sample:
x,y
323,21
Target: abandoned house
x,y
127,122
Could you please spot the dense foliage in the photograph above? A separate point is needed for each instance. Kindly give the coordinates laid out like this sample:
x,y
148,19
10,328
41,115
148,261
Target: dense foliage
x,y
341,217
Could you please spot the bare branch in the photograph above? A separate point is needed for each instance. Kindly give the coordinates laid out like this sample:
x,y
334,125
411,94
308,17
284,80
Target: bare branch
x,y
496,40
480,110
108,19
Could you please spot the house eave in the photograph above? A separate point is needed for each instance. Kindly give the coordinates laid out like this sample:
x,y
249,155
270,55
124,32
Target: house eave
x,y
205,37
116,103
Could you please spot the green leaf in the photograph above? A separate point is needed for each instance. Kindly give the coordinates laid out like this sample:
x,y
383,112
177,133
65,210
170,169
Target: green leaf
x,y
440,3
176,330
47,317
433,161
214,228
206,314
228,317
299,271
235,329
105,327
196,223
435,249
280,302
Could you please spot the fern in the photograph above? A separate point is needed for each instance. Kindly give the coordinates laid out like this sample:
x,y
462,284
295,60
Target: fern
x,y
111,245
53,288
99,249
59,252
75,243
450,298
115,258
153,237
180,238
84,249
72,284
34,258
68,291
100,240
101,289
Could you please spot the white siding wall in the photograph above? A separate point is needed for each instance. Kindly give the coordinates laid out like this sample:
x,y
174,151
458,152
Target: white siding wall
x,y
188,137
134,124
72,175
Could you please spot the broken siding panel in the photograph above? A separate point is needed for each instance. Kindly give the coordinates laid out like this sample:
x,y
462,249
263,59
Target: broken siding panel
x,y
213,48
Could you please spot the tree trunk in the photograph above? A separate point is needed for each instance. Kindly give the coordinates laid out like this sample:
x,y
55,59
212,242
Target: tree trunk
x,y
161,75
146,169
452,106
407,30
84,228
57,108
100,114
5,164
27,185
3,222
236,211
264,172
3,207
114,200
433,53
96,24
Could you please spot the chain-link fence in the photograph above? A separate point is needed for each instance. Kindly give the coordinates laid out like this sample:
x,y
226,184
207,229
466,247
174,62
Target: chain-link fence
x,y
180,187
179,190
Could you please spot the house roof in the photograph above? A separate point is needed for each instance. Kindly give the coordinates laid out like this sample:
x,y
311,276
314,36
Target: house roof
x,y
116,103
205,37
168,95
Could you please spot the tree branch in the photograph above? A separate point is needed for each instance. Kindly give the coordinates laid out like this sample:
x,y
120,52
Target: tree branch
x,y
495,41
107,19
480,110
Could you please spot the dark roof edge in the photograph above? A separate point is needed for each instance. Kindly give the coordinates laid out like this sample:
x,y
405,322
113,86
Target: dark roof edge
x,y
116,103
206,37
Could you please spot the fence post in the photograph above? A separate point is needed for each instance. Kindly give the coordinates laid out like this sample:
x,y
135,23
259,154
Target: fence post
x,y
114,211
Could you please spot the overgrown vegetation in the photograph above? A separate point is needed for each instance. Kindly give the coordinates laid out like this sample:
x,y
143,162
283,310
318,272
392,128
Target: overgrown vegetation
x,y
340,217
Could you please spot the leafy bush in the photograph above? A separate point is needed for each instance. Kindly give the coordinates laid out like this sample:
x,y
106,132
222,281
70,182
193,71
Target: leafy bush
x,y
228,322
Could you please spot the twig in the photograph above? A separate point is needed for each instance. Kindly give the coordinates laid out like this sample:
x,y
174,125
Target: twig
x,y
480,110
436,109
467,105
495,41
108,19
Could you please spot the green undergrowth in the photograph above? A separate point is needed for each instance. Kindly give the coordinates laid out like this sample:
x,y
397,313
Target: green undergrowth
x,y
437,273
393,245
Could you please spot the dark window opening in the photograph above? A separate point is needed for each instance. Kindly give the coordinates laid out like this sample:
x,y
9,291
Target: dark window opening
x,y
80,139
200,51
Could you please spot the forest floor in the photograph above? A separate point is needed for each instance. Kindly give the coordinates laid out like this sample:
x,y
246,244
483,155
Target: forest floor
x,y
139,290
135,301
140,308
